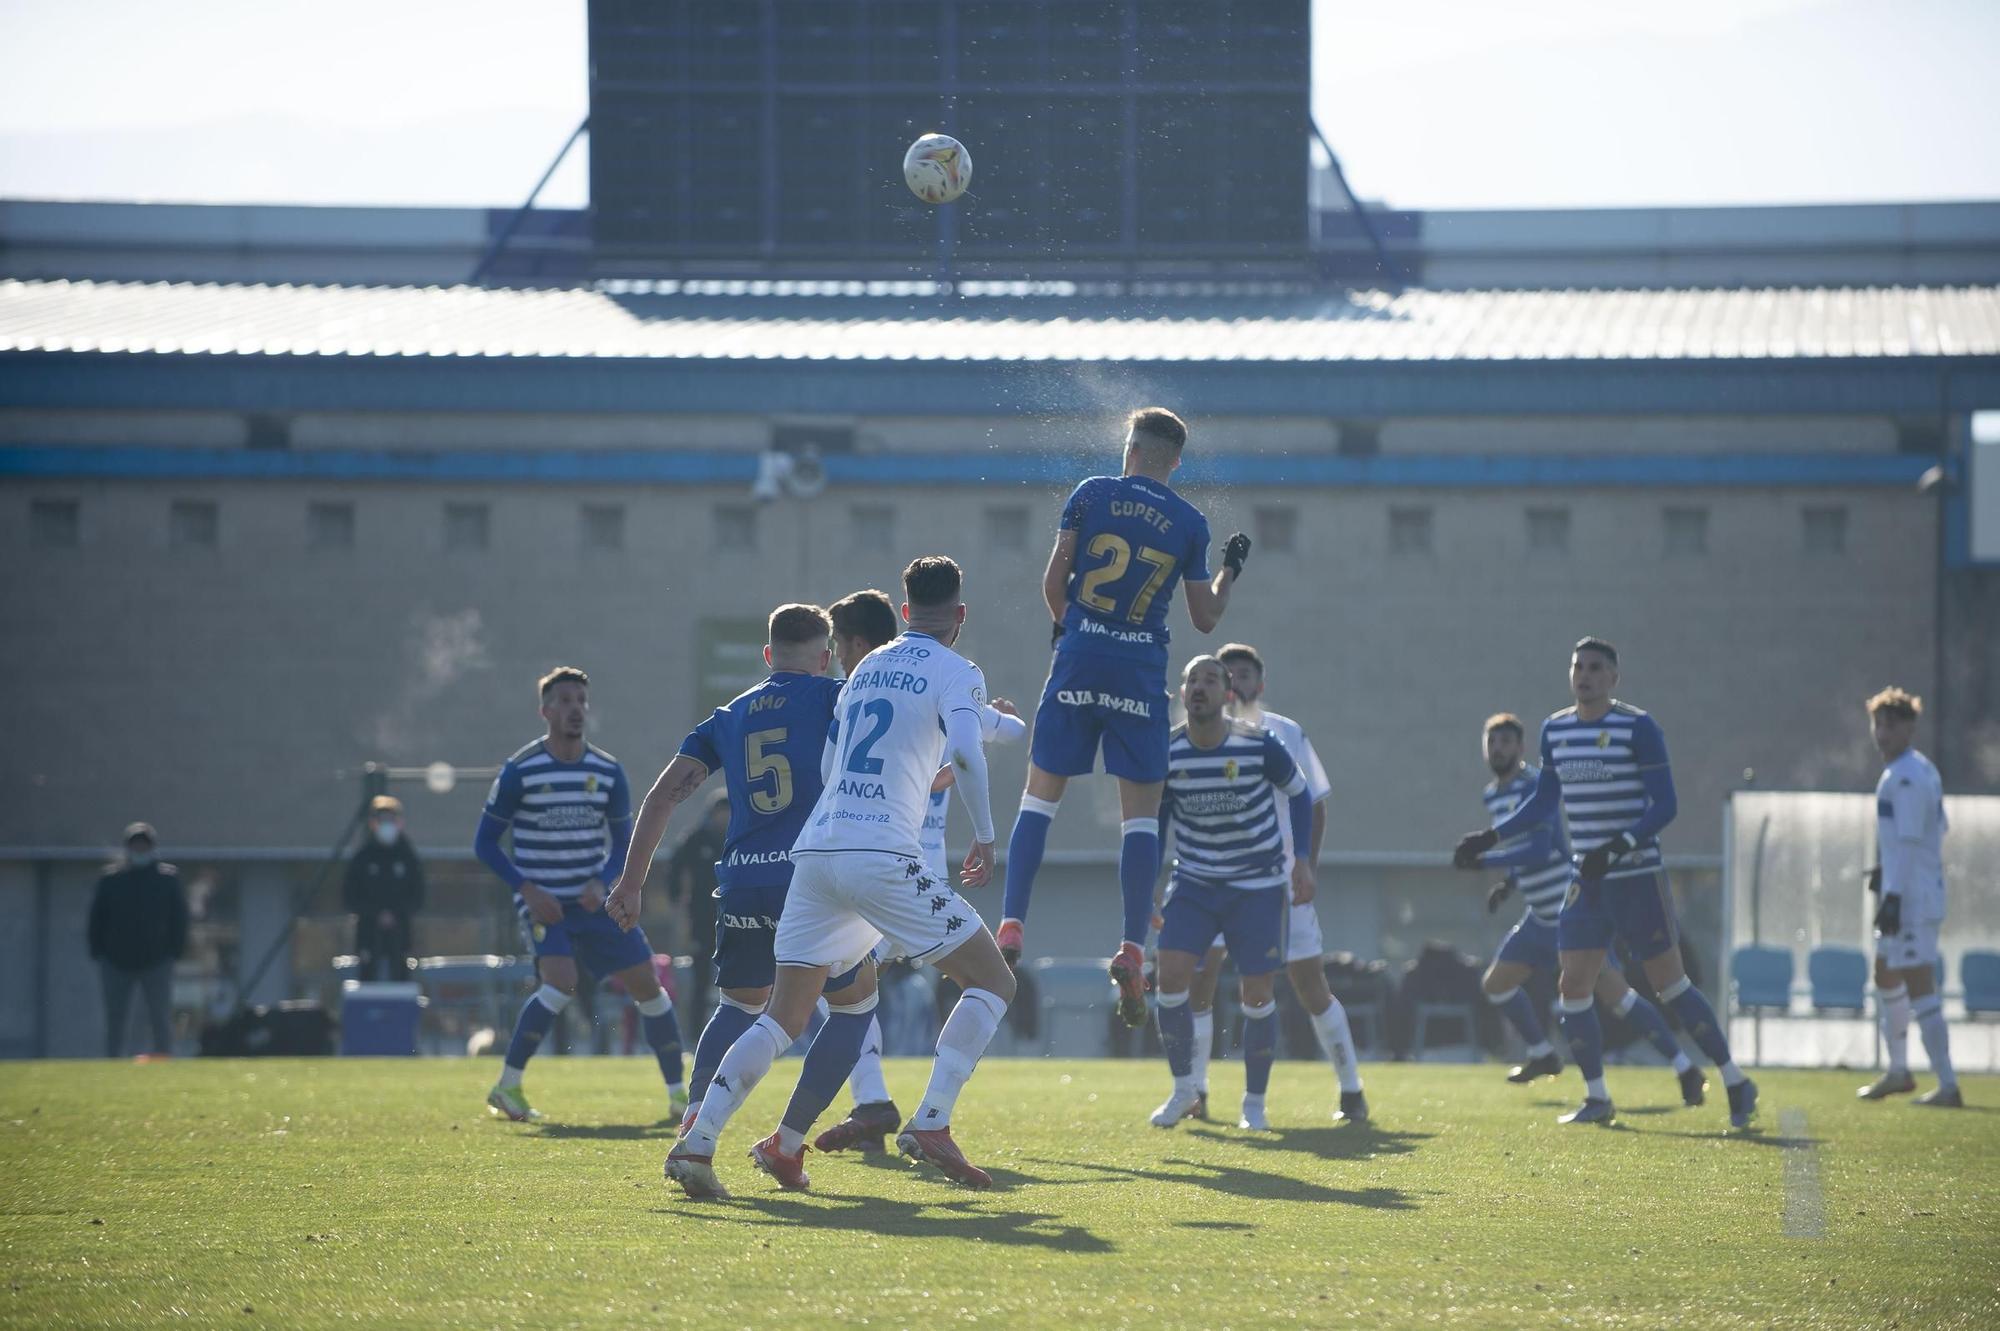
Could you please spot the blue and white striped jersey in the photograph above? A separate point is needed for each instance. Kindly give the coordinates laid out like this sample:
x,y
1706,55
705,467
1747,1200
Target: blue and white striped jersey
x,y
1544,880
1223,807
1603,767
562,815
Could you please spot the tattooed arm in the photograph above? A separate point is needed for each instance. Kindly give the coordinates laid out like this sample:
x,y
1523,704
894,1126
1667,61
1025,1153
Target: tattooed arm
x,y
682,777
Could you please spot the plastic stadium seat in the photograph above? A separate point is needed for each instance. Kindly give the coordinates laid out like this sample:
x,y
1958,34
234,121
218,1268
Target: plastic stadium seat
x,y
1839,979
1979,975
1763,978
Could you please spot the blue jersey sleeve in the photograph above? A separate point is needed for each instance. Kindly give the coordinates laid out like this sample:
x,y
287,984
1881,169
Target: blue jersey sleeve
x,y
1280,769
618,820
1535,850
1541,805
700,744
1649,748
501,803
1194,565
1077,507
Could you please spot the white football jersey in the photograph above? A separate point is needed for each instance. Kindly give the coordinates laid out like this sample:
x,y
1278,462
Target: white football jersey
x,y
1909,829
888,743
995,727
1293,737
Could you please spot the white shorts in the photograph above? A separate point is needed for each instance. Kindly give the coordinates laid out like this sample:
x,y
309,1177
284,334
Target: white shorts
x,y
1915,947
1303,940
842,903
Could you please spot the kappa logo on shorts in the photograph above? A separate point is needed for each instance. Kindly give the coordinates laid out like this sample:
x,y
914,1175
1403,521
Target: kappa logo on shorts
x,y
911,869
952,924
939,903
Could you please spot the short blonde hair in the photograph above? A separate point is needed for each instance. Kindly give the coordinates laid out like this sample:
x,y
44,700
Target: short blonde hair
x,y
1505,721
1897,702
560,675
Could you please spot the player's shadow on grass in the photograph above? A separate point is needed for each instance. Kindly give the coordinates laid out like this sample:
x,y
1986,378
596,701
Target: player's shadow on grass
x,y
1253,1184
1356,1141
948,1217
607,1132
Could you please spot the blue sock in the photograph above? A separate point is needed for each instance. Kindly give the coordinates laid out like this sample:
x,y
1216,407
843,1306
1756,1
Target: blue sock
x,y
1260,1046
1519,1010
1024,855
1586,1036
1653,1026
535,1020
828,1063
1138,869
1177,1033
663,1036
1698,1019
723,1030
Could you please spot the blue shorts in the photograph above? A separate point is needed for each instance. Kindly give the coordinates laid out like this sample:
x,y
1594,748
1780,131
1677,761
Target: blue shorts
x,y
1532,942
1633,908
746,929
1093,699
1251,922
598,945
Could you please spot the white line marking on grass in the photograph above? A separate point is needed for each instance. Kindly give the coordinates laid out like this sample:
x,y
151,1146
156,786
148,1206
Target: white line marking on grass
x,y
1805,1207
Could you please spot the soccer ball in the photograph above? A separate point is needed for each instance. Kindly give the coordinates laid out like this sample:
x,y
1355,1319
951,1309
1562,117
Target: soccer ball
x,y
937,168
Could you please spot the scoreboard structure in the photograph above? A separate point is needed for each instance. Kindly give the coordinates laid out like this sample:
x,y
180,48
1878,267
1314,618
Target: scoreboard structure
x,y
1104,134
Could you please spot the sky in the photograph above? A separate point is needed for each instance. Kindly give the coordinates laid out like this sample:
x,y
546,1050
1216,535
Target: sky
x,y
1430,103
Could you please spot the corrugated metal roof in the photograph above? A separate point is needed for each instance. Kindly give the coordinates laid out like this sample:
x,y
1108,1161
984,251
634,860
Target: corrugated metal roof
x,y
899,322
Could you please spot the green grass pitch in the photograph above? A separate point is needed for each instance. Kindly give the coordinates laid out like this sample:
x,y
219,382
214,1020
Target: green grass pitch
x,y
380,1193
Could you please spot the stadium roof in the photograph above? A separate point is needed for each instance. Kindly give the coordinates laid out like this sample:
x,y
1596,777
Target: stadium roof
x,y
668,346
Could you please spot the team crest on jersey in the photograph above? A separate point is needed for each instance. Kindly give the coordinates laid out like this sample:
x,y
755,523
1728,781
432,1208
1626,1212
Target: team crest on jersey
x,y
1603,739
1229,770
590,785
540,931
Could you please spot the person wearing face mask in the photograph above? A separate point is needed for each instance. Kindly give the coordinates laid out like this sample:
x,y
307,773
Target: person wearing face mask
x,y
138,928
384,888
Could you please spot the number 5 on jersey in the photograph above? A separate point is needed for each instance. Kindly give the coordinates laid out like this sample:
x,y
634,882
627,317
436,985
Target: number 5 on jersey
x,y
758,763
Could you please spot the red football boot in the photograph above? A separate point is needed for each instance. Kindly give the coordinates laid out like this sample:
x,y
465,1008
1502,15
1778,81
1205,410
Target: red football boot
x,y
1128,974
789,1170
934,1146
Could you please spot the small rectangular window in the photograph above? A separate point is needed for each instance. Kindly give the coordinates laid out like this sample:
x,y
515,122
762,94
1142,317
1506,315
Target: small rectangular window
x,y
330,526
1826,530
1685,532
1409,531
193,524
467,526
1277,529
735,527
1548,531
872,526
1007,528
54,523
604,526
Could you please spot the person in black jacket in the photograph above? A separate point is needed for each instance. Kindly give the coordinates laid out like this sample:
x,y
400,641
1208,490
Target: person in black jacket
x,y
384,888
138,929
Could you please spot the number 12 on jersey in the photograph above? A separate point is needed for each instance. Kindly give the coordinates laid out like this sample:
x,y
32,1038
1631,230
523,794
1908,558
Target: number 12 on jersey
x,y
860,756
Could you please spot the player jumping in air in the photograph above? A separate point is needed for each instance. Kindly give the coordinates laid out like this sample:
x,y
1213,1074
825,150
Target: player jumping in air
x,y
570,811
1124,542
1538,865
859,877
1909,828
1604,764
861,623
766,742
1304,944
1233,876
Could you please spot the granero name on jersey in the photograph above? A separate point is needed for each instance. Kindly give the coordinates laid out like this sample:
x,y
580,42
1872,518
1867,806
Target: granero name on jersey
x,y
1092,698
890,679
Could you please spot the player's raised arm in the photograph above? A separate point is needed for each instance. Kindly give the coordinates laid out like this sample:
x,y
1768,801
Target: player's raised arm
x,y
678,780
1208,598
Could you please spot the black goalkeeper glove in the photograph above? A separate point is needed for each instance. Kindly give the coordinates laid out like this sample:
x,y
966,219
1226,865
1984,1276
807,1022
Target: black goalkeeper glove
x,y
1235,552
1596,863
1498,893
1055,633
1471,846
1874,877
1889,915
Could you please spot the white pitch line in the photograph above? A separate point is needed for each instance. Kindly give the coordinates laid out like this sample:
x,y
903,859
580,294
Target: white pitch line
x,y
1805,1207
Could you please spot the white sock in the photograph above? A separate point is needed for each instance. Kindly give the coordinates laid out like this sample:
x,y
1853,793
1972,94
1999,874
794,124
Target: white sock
x,y
1895,1011
1682,1063
790,1140
510,1075
865,1082
1204,1042
1929,1012
967,1032
1731,1074
1540,1049
1251,1102
1338,1042
735,1077
659,1005
1594,1088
